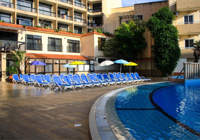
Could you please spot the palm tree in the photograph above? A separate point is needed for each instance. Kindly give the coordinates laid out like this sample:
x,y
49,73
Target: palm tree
x,y
20,59
196,51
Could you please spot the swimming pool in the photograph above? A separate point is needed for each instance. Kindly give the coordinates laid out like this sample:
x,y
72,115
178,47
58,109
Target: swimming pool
x,y
138,113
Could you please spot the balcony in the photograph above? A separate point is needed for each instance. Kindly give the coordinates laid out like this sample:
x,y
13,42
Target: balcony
x,y
73,49
55,48
94,10
34,46
7,4
66,1
7,45
80,20
29,9
80,5
47,13
189,29
93,24
65,17
186,5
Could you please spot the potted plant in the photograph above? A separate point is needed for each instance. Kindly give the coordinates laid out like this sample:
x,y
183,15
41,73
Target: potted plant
x,y
12,70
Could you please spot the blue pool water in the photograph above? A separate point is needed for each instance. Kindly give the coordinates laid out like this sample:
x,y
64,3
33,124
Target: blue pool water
x,y
144,121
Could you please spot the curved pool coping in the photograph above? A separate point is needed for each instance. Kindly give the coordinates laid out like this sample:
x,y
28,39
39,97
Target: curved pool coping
x,y
104,122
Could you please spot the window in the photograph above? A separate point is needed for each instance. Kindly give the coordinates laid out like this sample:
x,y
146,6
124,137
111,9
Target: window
x,y
77,15
62,11
85,67
54,44
44,23
77,1
49,68
139,17
73,46
25,5
34,42
97,7
63,27
189,43
5,17
97,21
45,9
77,30
24,21
101,42
188,19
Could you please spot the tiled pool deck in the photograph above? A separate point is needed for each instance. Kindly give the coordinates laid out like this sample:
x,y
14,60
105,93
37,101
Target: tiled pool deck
x,y
28,112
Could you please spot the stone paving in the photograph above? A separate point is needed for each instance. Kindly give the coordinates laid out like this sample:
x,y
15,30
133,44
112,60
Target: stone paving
x,y
28,112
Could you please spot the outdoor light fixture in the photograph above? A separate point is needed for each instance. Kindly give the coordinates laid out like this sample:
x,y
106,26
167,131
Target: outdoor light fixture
x,y
4,56
56,62
29,62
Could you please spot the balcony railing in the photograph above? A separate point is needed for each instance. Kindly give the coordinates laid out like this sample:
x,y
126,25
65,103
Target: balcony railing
x,y
73,49
94,24
25,8
34,46
80,20
55,48
94,10
193,22
65,17
80,5
7,45
66,1
7,4
47,13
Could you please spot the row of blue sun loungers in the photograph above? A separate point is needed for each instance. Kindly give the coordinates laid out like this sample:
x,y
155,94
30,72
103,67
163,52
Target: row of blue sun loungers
x,y
70,81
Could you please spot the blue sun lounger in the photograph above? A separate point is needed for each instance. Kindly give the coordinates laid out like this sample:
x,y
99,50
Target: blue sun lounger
x,y
134,77
86,81
68,80
78,82
130,78
101,81
124,81
108,79
26,80
118,81
61,85
93,80
48,79
40,82
125,78
16,79
100,78
142,77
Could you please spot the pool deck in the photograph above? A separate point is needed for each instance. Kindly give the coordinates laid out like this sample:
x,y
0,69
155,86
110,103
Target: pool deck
x,y
28,112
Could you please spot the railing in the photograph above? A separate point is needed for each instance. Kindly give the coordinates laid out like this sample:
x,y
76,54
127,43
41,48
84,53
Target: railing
x,y
93,24
65,17
80,20
94,10
73,49
47,13
66,1
34,46
80,5
7,4
56,48
7,45
25,8
191,70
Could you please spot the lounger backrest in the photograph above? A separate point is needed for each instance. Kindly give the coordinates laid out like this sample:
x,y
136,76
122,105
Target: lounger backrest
x,y
29,76
21,76
42,76
137,75
54,75
123,76
105,76
88,75
99,77
111,76
33,77
84,77
15,77
25,78
92,78
47,78
76,78
117,76
38,78
132,75
70,76
128,76
61,76
57,79
67,79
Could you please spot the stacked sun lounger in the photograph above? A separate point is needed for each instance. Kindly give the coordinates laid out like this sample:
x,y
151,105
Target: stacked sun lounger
x,y
64,82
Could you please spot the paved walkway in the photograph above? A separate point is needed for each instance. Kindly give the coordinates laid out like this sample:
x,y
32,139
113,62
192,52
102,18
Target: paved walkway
x,y
28,112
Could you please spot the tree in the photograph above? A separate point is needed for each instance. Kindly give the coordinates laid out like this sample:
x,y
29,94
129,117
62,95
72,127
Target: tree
x,y
166,51
196,51
19,60
128,41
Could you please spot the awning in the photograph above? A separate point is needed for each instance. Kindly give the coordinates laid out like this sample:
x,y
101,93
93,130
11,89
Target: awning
x,y
12,28
57,56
